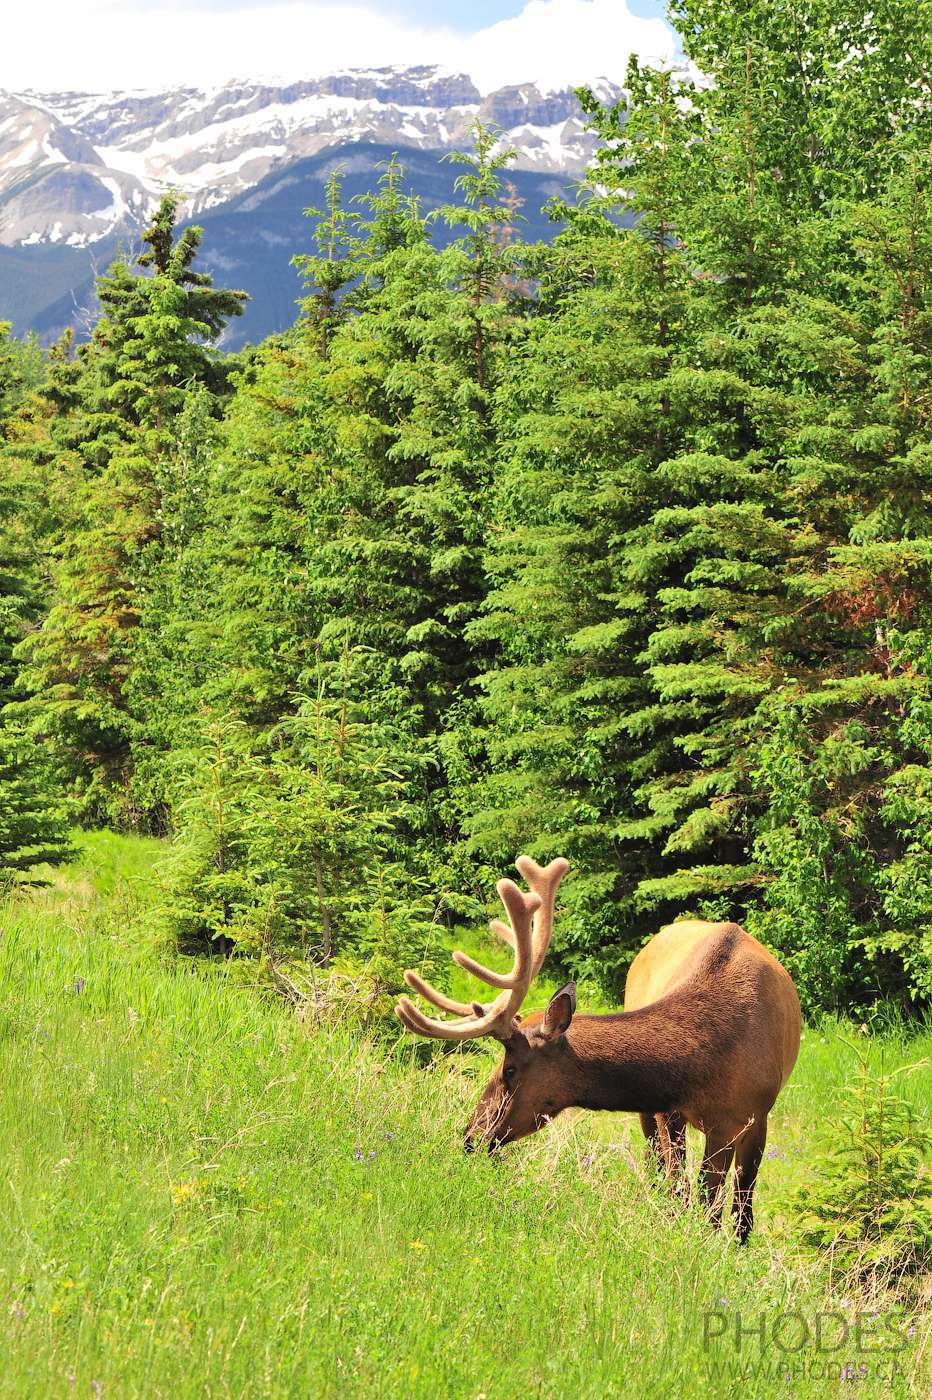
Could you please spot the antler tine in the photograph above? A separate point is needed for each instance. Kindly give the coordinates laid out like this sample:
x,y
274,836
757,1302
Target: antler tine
x,y
520,907
503,932
465,1029
498,1018
544,881
429,993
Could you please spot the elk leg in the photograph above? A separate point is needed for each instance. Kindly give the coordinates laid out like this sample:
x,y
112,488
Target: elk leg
x,y
666,1133
675,1152
651,1130
649,1127
675,1127
719,1151
748,1154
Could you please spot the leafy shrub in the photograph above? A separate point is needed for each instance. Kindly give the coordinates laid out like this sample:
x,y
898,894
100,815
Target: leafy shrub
x,y
845,844
870,1201
289,856
33,812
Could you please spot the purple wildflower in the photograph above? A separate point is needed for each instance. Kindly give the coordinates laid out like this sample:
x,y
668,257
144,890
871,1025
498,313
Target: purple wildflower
x,y
79,984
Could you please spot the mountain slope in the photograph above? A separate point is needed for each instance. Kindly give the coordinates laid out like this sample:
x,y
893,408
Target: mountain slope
x,y
77,168
80,172
55,186
248,242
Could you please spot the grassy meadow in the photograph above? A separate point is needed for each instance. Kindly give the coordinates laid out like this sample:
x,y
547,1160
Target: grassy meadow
x,y
203,1197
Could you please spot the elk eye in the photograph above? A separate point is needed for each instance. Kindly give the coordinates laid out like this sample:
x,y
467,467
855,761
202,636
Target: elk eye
x,y
509,1073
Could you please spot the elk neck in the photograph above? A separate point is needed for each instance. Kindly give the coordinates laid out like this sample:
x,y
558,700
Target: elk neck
x,y
645,1061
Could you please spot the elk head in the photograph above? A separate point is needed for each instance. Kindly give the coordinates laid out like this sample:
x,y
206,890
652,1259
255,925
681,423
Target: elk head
x,y
534,1081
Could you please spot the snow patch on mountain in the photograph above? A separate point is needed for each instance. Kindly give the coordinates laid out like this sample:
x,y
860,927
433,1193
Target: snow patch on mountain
x,y
80,167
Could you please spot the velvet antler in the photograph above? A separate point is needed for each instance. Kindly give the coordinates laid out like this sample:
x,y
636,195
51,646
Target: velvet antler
x,y
528,933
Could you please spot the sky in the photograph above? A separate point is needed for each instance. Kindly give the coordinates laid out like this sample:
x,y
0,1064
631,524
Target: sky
x,y
101,45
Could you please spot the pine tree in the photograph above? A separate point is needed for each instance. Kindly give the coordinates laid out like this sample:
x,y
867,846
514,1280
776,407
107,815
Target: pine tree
x,y
21,370
33,818
149,347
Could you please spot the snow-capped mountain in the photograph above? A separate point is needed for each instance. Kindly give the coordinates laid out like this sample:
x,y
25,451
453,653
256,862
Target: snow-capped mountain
x,y
54,184
77,168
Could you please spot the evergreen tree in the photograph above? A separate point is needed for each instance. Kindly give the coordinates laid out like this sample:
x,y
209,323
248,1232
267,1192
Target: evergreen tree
x,y
150,346
629,454
358,469
21,370
848,731
332,270
33,818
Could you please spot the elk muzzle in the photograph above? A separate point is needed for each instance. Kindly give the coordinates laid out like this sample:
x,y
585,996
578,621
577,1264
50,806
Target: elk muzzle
x,y
488,1125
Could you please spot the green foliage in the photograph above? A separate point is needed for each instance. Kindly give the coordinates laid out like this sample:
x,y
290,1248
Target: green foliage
x,y
713,493
108,440
845,841
33,806
291,851
328,273
22,370
175,1149
829,83
618,547
33,810
267,853
869,1201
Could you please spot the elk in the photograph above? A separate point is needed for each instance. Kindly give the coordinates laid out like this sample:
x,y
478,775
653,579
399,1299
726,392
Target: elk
x,y
708,1037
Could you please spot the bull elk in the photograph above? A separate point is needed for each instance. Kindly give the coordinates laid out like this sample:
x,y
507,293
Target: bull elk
x,y
708,1037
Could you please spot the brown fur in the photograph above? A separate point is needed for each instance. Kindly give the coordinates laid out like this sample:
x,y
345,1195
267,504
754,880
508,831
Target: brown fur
x,y
708,1037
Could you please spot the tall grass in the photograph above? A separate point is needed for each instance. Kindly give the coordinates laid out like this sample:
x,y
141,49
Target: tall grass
x,y
200,1197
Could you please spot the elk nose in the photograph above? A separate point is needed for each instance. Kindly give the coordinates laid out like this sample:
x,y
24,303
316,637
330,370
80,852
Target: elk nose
x,y
469,1142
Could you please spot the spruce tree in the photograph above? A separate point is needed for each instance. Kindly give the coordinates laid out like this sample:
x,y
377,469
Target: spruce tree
x,y
848,730
22,370
612,422
33,816
151,345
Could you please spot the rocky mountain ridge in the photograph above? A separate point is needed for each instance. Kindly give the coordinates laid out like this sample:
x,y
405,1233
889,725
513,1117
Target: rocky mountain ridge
x,y
78,169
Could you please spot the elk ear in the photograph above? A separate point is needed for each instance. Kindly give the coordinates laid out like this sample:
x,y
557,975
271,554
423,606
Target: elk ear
x,y
559,1013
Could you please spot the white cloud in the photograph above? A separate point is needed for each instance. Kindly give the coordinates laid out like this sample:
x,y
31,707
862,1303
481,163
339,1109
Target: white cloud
x,y
559,41
100,45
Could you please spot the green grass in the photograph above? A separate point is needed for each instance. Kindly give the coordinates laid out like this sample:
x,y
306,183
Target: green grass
x,y
199,1197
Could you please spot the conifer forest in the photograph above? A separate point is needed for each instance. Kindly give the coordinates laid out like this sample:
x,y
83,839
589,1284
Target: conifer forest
x,y
617,547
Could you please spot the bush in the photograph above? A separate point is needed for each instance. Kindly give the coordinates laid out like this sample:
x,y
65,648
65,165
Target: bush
x,y
33,817
870,1201
290,857
845,842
